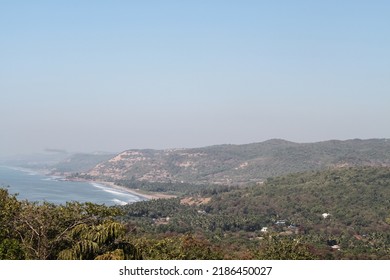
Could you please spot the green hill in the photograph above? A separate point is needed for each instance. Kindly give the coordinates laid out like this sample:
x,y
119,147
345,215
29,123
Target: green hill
x,y
240,164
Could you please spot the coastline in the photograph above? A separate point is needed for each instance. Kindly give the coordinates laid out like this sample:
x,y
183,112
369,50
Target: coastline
x,y
144,194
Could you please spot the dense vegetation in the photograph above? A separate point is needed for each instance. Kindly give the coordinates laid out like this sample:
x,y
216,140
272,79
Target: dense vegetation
x,y
291,207
279,219
174,188
71,231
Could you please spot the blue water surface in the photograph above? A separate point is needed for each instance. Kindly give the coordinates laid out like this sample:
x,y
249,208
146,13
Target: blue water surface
x,y
34,186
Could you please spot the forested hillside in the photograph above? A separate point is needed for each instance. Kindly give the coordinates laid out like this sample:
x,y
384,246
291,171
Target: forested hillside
x,y
356,202
239,164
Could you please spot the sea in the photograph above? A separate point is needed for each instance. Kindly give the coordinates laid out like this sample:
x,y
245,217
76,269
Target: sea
x,y
37,187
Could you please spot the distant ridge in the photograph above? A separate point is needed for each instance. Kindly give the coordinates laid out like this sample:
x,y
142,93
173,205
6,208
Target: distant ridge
x,y
238,164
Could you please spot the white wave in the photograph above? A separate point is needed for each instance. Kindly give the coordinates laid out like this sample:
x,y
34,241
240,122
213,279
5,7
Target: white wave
x,y
96,185
53,178
109,189
50,179
120,197
120,202
115,192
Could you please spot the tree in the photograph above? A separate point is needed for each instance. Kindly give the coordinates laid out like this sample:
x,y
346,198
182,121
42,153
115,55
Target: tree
x,y
280,248
98,241
185,247
10,247
46,229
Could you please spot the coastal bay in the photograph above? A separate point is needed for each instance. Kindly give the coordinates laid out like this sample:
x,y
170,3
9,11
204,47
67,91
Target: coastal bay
x,y
34,186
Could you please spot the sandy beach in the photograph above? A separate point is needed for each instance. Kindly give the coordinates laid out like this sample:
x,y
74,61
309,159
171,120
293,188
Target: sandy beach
x,y
145,194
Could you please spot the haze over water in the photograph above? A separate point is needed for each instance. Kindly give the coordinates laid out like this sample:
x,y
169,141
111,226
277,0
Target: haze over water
x,y
33,186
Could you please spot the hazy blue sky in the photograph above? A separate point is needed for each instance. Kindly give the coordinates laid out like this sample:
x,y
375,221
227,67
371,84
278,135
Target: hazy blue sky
x,y
114,75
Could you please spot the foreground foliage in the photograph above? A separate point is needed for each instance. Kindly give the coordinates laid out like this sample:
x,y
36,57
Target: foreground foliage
x,y
47,231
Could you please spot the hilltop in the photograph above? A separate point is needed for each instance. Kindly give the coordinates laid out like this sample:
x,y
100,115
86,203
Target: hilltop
x,y
239,164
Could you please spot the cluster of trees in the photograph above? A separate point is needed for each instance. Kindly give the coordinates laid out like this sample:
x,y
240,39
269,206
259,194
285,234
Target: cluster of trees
x,y
174,188
48,231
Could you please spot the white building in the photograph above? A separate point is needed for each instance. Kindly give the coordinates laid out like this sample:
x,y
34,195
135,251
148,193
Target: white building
x,y
325,215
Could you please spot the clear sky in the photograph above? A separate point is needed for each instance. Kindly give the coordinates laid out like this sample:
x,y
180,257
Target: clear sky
x,y
115,75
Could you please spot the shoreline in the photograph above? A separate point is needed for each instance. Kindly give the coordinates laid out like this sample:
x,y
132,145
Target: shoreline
x,y
143,194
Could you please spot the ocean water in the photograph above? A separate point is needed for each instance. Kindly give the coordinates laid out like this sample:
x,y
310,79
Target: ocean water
x,y
34,186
